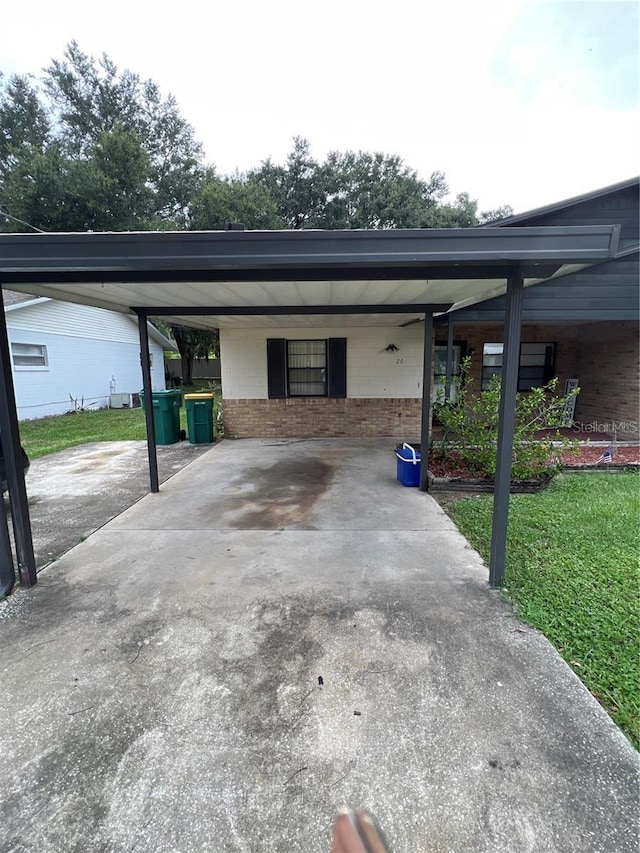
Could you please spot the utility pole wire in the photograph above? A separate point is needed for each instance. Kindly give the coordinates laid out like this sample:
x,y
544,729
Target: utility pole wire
x,y
22,222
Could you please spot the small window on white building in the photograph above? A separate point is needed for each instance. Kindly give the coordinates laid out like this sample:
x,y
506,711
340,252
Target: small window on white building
x,y
29,355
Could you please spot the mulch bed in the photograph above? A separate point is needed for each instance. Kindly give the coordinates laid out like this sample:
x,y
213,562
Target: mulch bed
x,y
453,466
592,455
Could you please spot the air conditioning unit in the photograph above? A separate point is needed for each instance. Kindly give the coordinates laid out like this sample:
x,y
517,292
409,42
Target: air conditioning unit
x,y
121,401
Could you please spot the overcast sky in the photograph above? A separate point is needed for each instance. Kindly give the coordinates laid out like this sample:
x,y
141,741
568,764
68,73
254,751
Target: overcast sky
x,y
519,102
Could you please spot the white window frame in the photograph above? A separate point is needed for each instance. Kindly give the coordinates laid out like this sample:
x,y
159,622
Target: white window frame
x,y
290,367
44,355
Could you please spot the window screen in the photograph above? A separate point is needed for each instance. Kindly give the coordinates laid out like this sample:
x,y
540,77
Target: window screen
x,y
29,355
307,368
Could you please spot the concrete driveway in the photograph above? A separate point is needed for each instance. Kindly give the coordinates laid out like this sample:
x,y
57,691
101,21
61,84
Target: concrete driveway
x,y
74,492
160,685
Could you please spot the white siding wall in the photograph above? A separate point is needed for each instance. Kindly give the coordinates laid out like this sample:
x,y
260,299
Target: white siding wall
x,y
91,353
371,371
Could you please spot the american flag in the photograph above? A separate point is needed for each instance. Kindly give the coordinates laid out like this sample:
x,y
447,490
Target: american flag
x,y
606,456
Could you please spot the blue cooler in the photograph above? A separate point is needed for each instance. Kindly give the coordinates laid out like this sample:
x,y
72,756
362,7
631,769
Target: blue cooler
x,y
408,465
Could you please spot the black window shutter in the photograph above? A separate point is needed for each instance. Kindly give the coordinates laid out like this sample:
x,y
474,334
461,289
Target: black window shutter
x,y
337,367
276,368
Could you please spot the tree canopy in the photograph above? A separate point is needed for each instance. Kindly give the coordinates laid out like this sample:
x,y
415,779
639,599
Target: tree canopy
x,y
87,147
192,343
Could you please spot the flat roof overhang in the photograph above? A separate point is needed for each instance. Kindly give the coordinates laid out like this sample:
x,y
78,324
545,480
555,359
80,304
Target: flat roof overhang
x,y
239,278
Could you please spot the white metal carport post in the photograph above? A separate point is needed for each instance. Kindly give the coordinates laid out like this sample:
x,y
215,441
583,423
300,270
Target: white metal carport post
x,y
506,425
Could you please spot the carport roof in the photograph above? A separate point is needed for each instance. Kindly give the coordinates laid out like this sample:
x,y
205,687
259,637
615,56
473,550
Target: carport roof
x,y
234,278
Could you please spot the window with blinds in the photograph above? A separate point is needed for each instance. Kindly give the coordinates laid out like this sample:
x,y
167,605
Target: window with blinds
x,y
307,368
534,370
304,368
29,355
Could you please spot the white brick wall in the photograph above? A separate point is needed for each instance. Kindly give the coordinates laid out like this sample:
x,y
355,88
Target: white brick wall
x,y
371,371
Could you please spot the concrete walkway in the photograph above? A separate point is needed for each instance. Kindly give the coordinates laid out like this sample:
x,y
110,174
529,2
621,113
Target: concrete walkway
x,y
160,686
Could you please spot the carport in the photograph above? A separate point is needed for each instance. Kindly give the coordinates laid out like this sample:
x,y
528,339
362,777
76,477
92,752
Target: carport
x,y
205,279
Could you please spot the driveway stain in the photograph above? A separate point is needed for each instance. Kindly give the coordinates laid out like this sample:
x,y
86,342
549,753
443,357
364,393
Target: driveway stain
x,y
281,495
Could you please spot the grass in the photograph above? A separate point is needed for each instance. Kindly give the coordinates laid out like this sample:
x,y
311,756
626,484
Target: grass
x,y
573,572
49,435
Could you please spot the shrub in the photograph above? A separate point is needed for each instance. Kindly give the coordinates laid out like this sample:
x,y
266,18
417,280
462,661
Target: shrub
x,y
470,427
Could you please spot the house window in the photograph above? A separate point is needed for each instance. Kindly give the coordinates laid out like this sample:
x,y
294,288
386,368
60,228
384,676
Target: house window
x,y
306,368
29,355
440,370
535,368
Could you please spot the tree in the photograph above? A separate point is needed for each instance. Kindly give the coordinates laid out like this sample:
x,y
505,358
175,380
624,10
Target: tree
x,y
47,190
461,213
359,190
495,215
297,188
120,193
222,200
192,343
93,148
106,190
91,97
24,124
89,147
377,191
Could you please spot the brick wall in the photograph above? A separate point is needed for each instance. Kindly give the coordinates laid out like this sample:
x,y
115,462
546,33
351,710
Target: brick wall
x,y
607,367
604,357
564,336
313,417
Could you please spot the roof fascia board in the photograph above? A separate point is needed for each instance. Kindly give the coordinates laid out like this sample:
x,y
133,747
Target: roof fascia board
x,y
560,205
250,254
157,335
37,300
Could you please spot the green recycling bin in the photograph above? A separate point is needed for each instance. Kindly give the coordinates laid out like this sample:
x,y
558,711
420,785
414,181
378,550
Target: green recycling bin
x,y
166,415
199,418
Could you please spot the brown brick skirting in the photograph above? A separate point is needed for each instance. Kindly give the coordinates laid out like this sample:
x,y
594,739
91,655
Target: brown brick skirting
x,y
320,416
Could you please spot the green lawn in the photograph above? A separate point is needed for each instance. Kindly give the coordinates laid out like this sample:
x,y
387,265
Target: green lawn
x,y
48,435
573,573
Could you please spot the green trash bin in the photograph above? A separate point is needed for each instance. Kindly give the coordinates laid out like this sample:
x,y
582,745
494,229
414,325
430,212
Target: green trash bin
x,y
166,415
199,418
